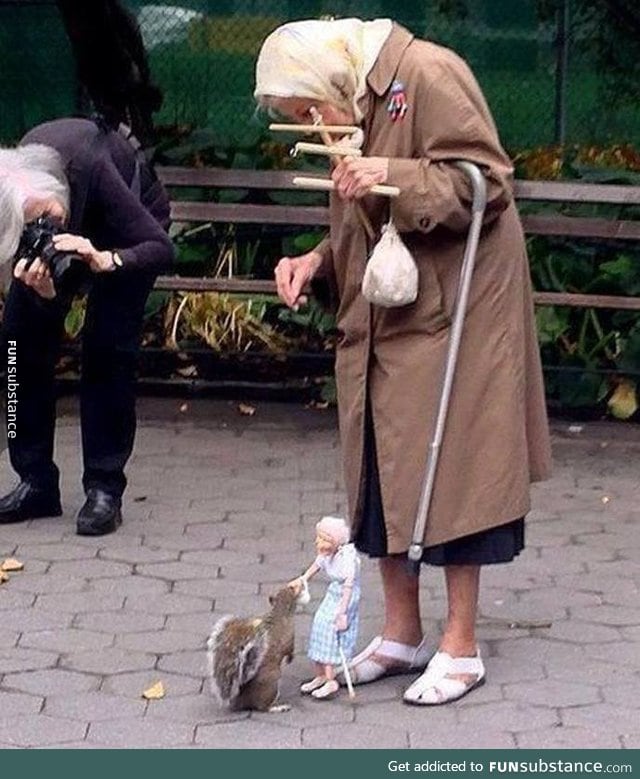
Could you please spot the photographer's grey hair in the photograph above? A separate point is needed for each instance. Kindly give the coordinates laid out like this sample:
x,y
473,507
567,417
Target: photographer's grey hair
x,y
31,171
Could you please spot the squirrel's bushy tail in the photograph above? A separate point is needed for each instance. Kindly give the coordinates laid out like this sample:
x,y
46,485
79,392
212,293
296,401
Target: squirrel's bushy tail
x,y
235,651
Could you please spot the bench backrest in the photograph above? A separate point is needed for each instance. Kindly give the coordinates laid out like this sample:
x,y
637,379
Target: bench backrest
x,y
569,193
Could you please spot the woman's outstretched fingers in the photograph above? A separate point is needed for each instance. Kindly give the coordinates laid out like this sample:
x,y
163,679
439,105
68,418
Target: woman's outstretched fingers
x,y
283,276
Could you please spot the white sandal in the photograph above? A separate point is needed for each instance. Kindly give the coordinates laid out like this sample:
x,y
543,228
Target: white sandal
x,y
383,657
437,684
328,690
313,684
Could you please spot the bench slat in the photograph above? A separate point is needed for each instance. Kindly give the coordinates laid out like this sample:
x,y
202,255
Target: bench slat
x,y
244,213
196,284
581,227
222,177
575,192
268,287
575,300
552,191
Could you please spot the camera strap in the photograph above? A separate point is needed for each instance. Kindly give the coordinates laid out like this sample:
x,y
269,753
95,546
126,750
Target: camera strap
x,y
127,133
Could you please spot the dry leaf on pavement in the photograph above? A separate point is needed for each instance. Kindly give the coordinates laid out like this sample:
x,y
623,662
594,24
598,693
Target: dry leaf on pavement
x,y
623,404
246,410
11,564
155,692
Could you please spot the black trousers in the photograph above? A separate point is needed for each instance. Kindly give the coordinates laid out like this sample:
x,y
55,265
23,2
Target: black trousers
x,y
33,329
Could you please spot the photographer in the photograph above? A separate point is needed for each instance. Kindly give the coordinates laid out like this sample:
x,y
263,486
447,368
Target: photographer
x,y
110,215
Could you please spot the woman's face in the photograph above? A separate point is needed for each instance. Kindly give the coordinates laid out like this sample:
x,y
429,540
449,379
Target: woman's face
x,y
325,545
37,207
299,109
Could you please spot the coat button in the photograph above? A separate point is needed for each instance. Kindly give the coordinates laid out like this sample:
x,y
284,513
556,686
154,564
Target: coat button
x,y
424,222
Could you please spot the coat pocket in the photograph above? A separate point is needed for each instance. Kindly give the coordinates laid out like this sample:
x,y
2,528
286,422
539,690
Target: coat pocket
x,y
431,309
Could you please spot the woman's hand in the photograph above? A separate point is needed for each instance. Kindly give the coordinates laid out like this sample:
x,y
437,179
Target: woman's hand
x,y
292,274
354,176
36,276
98,262
341,622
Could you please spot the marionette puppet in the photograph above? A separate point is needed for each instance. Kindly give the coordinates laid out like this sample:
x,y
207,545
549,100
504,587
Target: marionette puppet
x,y
335,624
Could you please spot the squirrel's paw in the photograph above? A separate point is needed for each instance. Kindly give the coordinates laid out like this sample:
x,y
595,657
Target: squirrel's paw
x,y
279,707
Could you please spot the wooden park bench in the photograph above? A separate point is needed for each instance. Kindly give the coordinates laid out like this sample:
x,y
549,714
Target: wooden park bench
x,y
304,216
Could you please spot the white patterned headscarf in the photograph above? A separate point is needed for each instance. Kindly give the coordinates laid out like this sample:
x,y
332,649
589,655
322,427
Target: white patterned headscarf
x,y
323,60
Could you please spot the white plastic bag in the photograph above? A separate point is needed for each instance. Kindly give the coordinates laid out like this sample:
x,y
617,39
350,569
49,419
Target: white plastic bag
x,y
391,276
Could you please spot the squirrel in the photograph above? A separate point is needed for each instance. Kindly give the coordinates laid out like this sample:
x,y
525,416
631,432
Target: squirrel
x,y
245,654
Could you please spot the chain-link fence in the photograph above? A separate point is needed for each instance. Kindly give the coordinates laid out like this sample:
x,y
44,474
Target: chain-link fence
x,y
202,54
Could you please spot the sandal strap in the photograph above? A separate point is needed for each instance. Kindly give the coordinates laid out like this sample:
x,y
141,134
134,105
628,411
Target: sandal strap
x,y
393,650
438,690
442,664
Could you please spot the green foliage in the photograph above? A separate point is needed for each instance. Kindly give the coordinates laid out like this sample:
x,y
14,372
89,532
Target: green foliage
x,y
581,344
74,321
156,303
312,317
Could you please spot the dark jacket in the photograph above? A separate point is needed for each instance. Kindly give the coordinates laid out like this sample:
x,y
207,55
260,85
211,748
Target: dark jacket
x,y
104,208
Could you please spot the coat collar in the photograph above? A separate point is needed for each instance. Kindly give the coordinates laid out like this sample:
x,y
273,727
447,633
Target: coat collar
x,y
386,66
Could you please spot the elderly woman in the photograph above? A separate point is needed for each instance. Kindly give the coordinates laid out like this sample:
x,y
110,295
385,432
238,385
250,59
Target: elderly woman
x,y
111,214
419,108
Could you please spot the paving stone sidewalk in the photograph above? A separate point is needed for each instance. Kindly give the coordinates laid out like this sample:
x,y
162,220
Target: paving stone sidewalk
x,y
220,509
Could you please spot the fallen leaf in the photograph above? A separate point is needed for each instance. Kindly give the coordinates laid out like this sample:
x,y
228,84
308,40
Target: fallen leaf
x,y
318,405
10,564
624,402
606,499
184,407
188,371
155,692
246,410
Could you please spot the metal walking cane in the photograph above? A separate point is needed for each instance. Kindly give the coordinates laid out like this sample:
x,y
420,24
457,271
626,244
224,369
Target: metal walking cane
x,y
462,296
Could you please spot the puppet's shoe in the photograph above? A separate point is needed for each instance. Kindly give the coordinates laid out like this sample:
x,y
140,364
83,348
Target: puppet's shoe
x,y
308,687
383,657
446,679
328,690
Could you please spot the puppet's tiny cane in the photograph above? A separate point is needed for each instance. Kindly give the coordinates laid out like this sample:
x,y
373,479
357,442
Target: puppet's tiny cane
x,y
479,187
346,671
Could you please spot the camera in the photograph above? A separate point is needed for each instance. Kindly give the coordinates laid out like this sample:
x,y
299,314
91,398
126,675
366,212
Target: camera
x,y
37,242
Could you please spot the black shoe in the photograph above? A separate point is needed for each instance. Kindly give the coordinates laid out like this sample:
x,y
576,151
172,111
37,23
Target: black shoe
x,y
29,502
99,515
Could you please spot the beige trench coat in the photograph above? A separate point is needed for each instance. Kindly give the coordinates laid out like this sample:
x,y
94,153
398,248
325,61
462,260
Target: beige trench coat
x,y
496,440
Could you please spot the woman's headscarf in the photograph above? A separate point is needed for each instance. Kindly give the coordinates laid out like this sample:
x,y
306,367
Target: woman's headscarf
x,y
323,60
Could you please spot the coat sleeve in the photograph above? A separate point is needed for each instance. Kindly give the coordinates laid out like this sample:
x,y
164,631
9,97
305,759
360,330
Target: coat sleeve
x,y
450,122
137,236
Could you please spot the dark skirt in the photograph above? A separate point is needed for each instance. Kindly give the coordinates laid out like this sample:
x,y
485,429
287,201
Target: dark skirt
x,y
496,545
